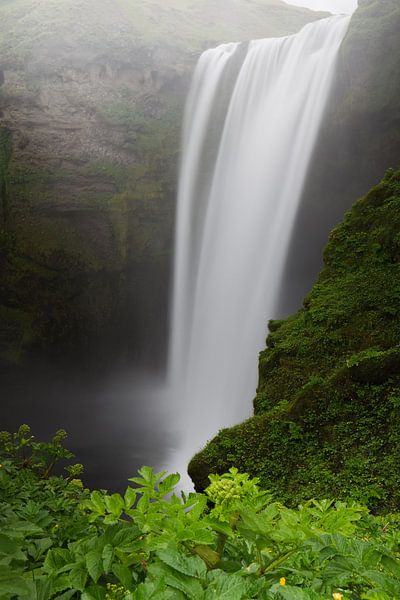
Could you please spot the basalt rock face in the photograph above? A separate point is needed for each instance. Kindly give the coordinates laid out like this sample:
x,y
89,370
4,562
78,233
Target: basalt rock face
x,y
359,140
92,96
328,399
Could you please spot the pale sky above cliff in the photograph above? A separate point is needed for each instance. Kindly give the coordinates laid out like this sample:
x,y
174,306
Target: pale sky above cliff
x,y
334,6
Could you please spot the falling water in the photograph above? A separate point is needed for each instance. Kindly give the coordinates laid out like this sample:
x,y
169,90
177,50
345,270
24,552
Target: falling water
x,y
235,216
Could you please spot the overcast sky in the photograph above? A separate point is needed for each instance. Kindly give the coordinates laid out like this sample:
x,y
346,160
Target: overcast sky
x,y
334,6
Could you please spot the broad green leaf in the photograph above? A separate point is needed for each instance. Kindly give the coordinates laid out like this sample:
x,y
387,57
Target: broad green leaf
x,y
156,591
24,528
123,574
225,587
197,504
56,559
114,504
94,593
210,556
39,547
392,565
13,584
60,584
66,595
196,533
125,536
111,519
7,545
168,484
107,557
143,504
220,526
387,584
193,566
190,586
45,589
148,474
94,564
130,497
258,523
78,577
286,592
97,501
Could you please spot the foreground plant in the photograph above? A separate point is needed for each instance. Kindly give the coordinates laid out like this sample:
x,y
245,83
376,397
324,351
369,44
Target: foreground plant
x,y
60,541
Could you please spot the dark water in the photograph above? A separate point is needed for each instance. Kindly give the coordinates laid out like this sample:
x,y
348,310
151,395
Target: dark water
x,y
116,422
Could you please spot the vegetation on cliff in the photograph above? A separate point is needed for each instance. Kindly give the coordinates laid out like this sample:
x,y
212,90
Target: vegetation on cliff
x,y
60,541
328,399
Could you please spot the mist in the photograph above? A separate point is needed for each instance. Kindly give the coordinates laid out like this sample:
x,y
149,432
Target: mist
x,y
333,6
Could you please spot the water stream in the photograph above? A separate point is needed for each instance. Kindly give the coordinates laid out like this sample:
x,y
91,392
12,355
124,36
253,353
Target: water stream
x,y
252,119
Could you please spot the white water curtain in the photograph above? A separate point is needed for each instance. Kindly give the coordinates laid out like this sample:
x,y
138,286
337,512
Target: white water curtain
x,y
234,221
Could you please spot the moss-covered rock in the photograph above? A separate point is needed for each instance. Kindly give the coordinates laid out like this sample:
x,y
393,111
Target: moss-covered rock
x,y
327,409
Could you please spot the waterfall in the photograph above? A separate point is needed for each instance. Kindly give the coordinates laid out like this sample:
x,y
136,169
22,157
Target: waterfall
x,y
252,118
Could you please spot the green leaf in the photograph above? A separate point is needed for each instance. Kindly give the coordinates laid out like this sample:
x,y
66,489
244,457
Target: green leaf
x,y
97,501
66,595
123,574
190,586
107,556
78,577
13,584
125,536
130,497
220,527
193,566
156,591
7,545
286,592
94,565
44,589
56,559
39,547
225,587
114,504
196,533
168,484
392,565
94,593
60,584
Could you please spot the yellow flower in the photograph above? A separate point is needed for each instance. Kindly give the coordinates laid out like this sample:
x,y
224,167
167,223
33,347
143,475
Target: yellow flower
x,y
337,596
282,581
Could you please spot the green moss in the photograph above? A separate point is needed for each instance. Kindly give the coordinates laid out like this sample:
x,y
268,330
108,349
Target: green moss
x,y
327,404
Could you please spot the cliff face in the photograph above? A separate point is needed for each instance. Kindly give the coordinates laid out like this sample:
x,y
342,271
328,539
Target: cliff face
x,y
91,102
328,399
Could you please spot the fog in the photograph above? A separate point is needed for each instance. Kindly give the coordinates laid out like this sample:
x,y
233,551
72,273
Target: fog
x,y
115,423
333,6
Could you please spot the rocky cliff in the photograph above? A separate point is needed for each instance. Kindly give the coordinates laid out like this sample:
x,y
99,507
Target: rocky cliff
x,y
92,96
